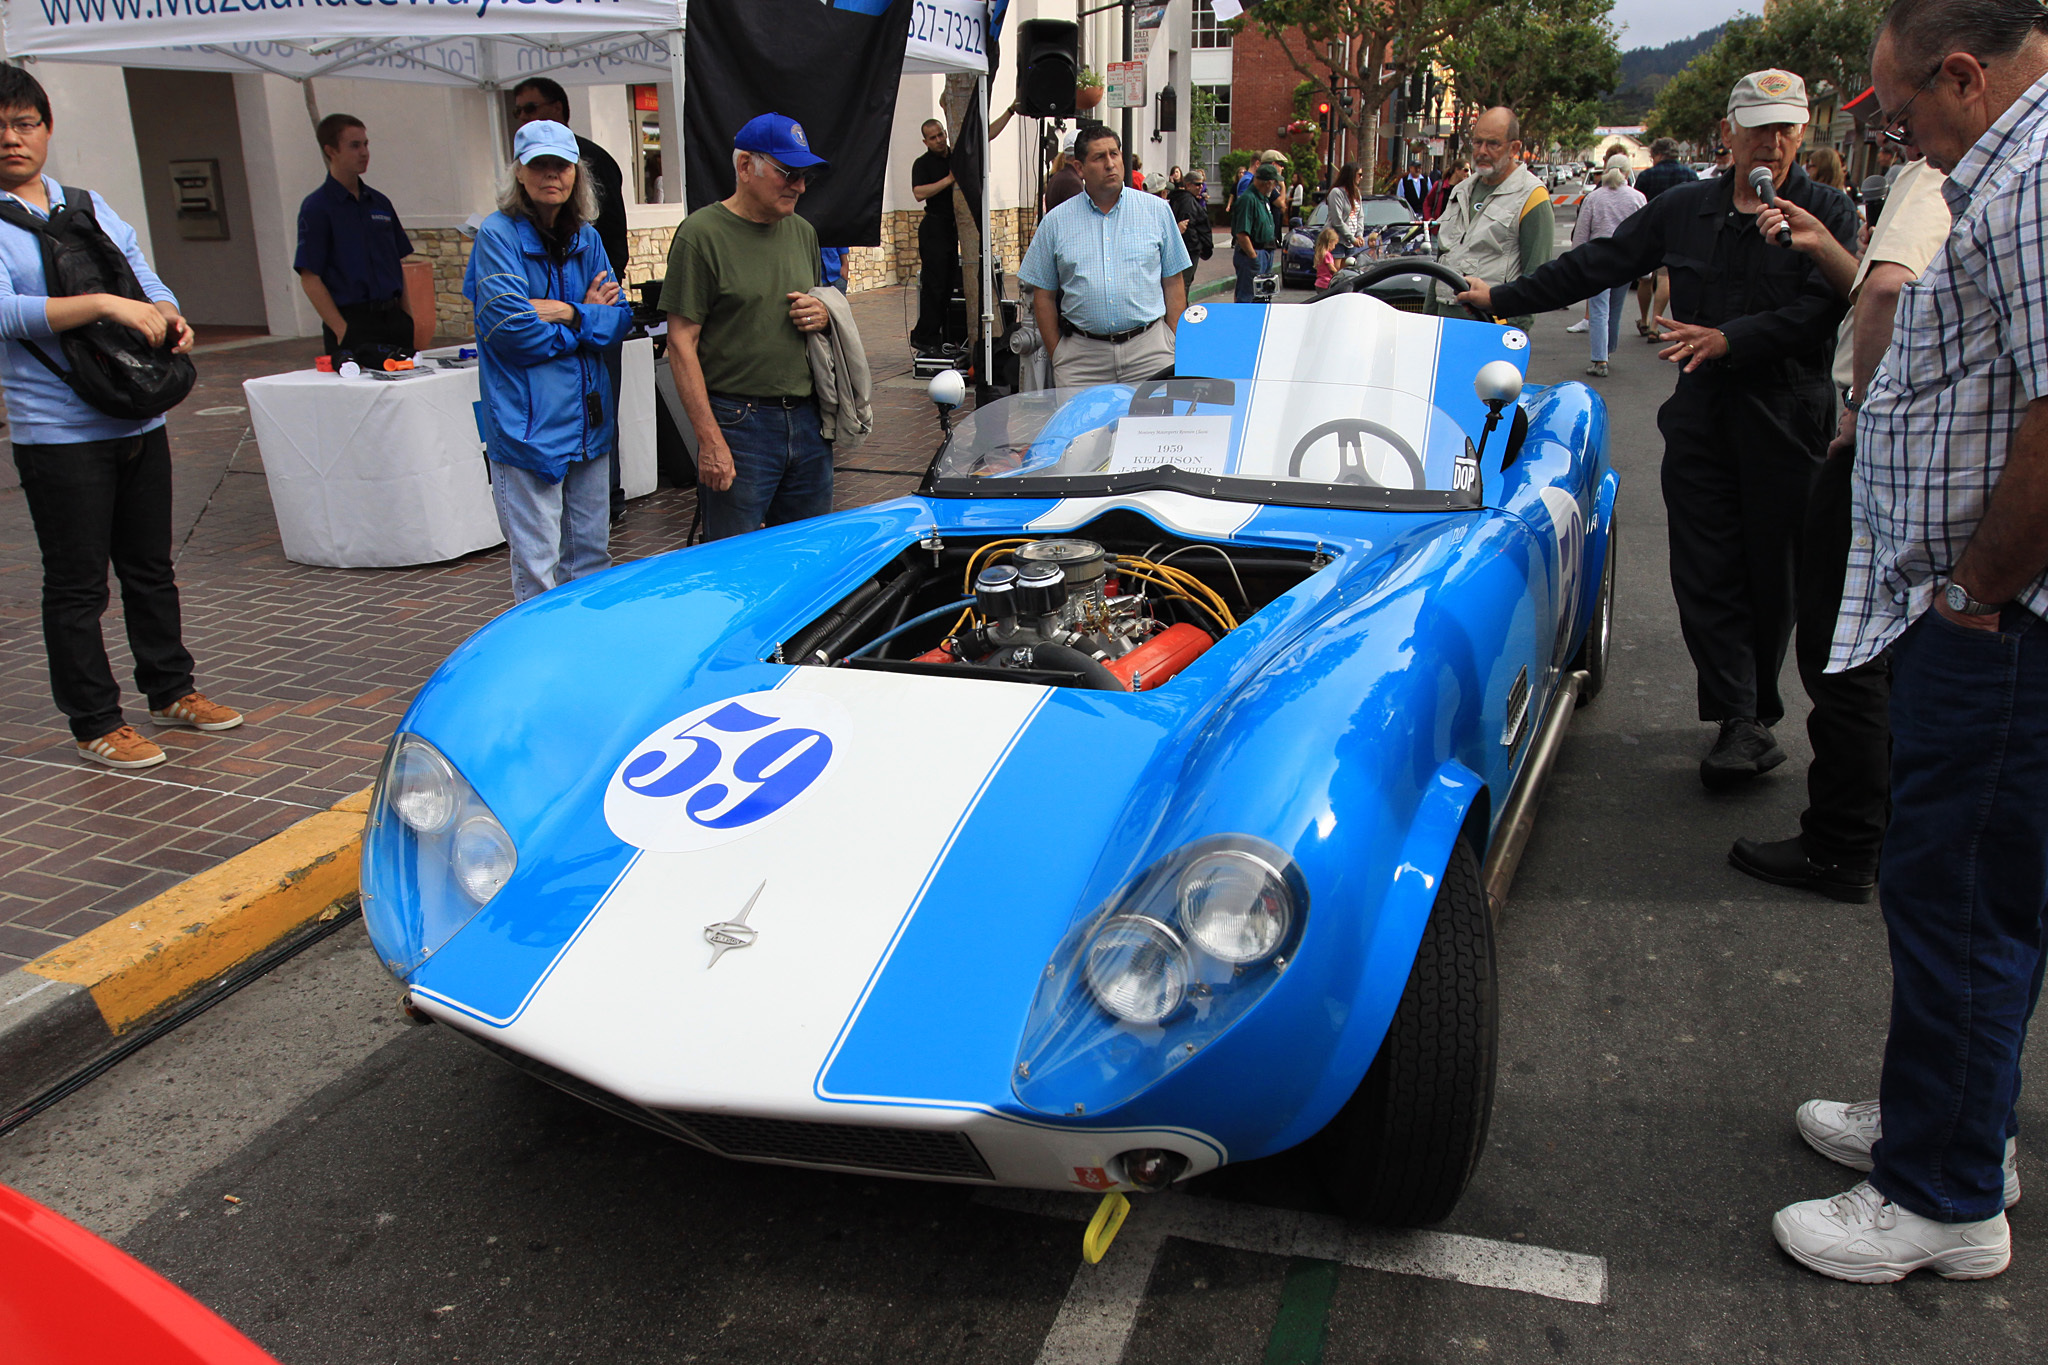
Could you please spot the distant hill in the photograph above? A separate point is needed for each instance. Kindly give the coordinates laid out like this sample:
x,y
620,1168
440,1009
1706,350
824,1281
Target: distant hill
x,y
1644,70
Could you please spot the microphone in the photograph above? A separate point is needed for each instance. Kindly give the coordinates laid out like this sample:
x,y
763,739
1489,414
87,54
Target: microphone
x,y
1874,191
1767,190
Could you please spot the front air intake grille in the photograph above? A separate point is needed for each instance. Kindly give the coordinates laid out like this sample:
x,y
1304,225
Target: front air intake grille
x,y
906,1151
896,1151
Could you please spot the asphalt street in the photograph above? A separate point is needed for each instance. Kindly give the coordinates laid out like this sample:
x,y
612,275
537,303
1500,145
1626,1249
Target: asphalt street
x,y
403,1197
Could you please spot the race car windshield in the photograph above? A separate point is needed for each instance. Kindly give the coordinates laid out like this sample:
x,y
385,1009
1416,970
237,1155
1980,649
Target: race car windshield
x,y
1276,441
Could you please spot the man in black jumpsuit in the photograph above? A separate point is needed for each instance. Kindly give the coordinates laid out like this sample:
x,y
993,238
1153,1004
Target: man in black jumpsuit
x,y
938,244
1748,425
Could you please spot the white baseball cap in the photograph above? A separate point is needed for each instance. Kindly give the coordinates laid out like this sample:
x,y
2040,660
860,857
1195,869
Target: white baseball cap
x,y
1770,96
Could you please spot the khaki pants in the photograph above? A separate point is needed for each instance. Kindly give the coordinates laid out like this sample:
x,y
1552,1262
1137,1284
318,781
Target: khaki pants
x,y
1080,362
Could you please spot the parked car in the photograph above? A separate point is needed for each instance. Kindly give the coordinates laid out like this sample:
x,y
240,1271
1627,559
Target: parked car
x,y
1401,234
1129,801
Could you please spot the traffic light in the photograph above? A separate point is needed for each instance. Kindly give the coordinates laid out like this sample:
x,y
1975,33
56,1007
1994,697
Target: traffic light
x,y
1323,109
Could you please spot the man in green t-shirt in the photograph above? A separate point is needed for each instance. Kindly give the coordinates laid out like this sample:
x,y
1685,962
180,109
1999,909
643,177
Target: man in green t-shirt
x,y
1253,230
738,304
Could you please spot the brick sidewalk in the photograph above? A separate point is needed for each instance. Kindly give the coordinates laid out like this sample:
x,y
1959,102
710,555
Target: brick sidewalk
x,y
323,661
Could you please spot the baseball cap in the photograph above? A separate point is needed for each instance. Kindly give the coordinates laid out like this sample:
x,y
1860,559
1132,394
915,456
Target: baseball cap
x,y
1771,96
779,136
1266,171
1155,182
1271,155
1067,142
545,137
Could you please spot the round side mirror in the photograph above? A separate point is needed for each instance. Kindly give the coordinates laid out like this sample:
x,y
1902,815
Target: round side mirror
x,y
949,388
1498,383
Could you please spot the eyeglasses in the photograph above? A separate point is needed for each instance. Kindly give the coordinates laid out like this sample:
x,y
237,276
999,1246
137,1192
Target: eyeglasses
x,y
1896,132
789,176
529,108
24,127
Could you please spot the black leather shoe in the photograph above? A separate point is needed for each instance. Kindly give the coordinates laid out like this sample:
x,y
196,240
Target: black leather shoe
x,y
1784,863
1744,750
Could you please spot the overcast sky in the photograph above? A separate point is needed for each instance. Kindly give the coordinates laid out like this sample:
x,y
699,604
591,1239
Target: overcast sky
x,y
1653,23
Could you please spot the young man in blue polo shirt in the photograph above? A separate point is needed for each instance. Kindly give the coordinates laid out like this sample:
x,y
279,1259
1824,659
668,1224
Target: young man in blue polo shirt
x,y
98,487
350,246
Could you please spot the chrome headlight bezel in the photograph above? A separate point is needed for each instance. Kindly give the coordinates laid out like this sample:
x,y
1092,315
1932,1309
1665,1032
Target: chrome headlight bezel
x,y
1141,943
1206,925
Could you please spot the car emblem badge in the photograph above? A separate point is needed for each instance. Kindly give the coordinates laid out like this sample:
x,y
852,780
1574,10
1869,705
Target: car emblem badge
x,y
733,933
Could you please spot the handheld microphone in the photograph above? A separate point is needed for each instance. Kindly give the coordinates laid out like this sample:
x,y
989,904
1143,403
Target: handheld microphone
x,y
1767,190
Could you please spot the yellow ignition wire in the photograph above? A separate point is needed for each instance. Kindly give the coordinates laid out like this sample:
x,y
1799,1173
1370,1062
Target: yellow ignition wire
x,y
1174,594
1187,583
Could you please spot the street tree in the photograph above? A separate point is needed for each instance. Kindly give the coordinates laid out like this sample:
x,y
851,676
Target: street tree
x,y
1551,61
1826,41
1365,48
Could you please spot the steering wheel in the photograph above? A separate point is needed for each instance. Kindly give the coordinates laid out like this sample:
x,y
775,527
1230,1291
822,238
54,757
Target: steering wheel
x,y
1351,433
1379,271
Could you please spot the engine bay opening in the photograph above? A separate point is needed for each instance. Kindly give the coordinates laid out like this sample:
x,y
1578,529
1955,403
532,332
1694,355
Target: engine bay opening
x,y
1117,605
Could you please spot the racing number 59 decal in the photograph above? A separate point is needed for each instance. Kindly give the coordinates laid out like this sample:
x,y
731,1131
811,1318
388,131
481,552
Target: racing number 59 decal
x,y
723,770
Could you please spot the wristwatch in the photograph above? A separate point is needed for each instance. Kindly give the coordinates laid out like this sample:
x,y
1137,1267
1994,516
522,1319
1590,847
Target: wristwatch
x,y
1963,604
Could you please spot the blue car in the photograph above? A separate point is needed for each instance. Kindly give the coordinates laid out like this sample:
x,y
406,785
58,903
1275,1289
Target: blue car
x,y
1133,799
1401,234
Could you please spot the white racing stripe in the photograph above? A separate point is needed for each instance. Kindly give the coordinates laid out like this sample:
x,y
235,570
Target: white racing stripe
x,y
1565,1275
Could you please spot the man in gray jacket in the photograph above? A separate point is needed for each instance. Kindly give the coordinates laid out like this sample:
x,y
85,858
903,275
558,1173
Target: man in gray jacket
x,y
1498,225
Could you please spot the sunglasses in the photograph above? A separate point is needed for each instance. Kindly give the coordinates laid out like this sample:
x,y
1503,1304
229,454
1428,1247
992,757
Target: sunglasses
x,y
789,176
524,108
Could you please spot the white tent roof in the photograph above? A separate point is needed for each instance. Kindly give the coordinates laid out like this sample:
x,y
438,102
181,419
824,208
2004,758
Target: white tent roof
x,y
483,43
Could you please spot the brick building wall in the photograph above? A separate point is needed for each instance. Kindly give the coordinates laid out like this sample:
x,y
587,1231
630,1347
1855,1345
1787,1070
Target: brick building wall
x,y
1262,82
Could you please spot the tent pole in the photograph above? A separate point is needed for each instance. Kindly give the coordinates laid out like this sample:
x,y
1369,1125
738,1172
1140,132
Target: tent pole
x,y
986,368
312,104
672,161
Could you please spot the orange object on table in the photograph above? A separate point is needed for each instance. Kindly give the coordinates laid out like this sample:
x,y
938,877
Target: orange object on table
x,y
419,301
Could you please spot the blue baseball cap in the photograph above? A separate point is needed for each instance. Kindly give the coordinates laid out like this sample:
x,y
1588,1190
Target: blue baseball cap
x,y
779,136
545,137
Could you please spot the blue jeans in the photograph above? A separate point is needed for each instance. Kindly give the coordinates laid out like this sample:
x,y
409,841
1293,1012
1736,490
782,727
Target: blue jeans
x,y
1963,880
1603,319
556,532
782,468
1247,266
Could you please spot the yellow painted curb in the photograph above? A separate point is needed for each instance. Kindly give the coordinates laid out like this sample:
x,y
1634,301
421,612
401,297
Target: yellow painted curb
x,y
214,921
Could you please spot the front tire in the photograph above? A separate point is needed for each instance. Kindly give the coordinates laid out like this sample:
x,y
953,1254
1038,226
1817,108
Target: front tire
x,y
1404,1146
1597,649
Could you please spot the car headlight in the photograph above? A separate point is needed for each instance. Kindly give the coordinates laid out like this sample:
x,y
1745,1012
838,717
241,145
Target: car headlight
x,y
1137,969
1159,969
433,855
422,788
482,856
1235,906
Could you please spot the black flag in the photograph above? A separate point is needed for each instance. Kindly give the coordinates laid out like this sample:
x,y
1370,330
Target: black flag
x,y
832,68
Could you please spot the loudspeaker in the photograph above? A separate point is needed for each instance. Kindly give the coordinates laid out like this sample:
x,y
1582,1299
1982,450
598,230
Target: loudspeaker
x,y
1047,61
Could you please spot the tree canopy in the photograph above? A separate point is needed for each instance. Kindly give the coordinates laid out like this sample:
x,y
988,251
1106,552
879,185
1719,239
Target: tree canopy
x,y
1551,61
1825,41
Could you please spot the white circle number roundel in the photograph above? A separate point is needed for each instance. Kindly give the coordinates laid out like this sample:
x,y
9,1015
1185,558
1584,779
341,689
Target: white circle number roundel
x,y
723,771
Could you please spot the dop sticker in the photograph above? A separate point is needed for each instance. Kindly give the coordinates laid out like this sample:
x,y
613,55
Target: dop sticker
x,y
724,770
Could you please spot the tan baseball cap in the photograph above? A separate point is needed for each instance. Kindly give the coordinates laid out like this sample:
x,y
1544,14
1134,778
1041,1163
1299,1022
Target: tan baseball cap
x,y
1271,155
1771,96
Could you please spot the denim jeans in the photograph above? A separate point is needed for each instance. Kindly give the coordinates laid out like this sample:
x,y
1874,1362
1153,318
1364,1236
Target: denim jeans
x,y
95,503
782,467
1247,267
556,532
1963,880
1603,317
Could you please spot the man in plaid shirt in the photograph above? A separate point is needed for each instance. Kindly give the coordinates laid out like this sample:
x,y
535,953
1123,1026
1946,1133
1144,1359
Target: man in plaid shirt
x,y
1946,570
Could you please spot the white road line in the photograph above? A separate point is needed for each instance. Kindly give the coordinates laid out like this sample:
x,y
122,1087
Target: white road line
x,y
1102,1303
1565,1275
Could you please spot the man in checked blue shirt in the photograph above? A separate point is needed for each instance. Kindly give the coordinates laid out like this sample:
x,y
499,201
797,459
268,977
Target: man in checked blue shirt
x,y
98,487
1115,260
1948,569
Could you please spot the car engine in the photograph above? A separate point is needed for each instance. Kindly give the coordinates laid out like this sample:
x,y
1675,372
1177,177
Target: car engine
x,y
1069,606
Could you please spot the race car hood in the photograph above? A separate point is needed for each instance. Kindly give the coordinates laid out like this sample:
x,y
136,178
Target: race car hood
x,y
721,859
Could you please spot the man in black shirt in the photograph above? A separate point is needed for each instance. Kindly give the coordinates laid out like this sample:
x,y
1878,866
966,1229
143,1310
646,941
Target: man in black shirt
x,y
1749,422
938,244
537,97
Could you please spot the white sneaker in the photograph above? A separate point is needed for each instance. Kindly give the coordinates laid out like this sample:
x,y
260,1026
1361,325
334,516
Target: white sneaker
x,y
1864,1237
1846,1132
1578,326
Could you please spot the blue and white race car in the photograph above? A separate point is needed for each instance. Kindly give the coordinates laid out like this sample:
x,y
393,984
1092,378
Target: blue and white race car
x,y
1124,804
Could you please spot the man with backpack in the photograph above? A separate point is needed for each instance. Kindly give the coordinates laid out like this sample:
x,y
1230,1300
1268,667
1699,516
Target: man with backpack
x,y
98,485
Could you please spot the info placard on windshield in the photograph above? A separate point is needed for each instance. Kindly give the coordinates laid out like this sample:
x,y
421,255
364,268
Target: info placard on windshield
x,y
1193,445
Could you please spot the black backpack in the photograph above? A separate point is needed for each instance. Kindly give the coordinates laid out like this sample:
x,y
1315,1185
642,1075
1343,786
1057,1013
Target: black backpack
x,y
112,368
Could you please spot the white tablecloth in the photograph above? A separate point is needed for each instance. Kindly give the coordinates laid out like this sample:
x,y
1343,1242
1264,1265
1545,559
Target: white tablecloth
x,y
374,473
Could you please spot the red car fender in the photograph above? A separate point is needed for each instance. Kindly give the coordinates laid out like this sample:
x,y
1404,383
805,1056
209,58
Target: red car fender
x,y
69,1298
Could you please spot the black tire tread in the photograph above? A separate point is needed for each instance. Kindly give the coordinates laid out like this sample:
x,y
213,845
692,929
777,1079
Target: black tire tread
x,y
1594,660
1405,1145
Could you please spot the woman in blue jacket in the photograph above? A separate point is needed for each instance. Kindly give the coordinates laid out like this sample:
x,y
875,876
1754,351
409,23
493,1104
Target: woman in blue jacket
x,y
546,309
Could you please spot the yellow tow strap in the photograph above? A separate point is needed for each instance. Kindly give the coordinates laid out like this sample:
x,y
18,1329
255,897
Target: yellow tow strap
x,y
1104,1226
